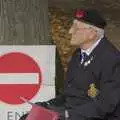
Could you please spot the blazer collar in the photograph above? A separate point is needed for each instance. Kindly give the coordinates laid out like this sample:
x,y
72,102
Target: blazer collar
x,y
100,48
98,51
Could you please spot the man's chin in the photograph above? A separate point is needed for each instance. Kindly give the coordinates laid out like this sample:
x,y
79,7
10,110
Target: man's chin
x,y
73,43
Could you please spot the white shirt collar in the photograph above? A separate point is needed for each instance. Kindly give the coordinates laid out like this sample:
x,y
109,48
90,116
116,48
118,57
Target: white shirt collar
x,y
89,50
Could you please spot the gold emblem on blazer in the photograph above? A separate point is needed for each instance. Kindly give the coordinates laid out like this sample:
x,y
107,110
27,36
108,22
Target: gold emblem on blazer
x,y
92,91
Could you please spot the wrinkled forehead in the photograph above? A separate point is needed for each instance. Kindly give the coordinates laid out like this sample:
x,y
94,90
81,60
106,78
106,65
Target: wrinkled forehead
x,y
80,23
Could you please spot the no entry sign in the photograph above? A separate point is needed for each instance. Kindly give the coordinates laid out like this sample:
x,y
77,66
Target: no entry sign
x,y
20,76
25,71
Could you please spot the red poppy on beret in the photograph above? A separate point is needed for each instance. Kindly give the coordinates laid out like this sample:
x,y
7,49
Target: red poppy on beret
x,y
90,16
79,14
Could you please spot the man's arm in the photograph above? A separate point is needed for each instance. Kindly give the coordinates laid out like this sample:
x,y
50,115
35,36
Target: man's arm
x,y
108,98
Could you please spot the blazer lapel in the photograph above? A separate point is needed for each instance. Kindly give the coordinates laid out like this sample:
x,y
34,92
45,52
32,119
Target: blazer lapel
x,y
96,53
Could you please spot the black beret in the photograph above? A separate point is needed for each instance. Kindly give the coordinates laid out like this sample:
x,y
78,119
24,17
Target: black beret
x,y
90,16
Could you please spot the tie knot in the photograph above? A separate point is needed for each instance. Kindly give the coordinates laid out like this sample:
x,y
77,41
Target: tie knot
x,y
83,56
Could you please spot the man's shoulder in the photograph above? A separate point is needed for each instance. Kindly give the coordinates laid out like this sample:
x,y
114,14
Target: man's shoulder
x,y
110,50
108,54
111,56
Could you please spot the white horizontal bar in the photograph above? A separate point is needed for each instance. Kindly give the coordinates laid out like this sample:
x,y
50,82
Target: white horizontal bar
x,y
19,78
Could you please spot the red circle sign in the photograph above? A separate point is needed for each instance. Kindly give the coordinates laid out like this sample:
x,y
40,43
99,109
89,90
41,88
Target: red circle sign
x,y
13,67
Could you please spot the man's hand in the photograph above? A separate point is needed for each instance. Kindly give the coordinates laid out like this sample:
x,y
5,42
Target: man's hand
x,y
58,101
43,104
46,104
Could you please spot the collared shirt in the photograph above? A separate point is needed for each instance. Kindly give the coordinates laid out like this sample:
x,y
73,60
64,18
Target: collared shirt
x,y
89,50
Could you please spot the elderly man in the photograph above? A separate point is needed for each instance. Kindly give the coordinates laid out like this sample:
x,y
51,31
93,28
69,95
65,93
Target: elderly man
x,y
92,85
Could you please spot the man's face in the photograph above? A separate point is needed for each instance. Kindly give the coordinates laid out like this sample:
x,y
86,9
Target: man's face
x,y
82,33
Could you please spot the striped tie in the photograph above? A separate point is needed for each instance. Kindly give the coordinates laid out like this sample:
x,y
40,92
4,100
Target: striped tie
x,y
83,57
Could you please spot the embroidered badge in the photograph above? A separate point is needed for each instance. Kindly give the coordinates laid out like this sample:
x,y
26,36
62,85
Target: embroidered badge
x,y
92,91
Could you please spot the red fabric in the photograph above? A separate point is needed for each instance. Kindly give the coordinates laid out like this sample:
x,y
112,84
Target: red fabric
x,y
79,14
41,113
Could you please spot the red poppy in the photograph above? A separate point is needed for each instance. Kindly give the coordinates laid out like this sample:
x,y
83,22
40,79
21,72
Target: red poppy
x,y
79,14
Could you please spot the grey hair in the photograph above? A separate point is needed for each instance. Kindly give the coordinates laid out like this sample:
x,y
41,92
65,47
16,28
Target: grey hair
x,y
100,31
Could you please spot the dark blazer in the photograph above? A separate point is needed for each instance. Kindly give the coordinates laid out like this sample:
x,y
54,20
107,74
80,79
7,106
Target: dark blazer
x,y
101,67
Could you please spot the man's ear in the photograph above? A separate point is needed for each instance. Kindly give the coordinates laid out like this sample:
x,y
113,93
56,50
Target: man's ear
x,y
92,34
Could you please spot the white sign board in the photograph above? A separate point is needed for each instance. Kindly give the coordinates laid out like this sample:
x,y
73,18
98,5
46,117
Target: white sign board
x,y
25,71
